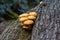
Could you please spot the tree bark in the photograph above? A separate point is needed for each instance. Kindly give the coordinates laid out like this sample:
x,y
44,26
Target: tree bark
x,y
14,31
47,26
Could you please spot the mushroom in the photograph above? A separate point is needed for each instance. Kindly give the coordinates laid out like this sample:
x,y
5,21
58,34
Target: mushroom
x,y
23,15
24,26
23,19
31,17
28,22
27,27
33,13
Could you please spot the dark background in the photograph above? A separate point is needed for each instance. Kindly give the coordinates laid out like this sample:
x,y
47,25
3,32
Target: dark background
x,y
10,9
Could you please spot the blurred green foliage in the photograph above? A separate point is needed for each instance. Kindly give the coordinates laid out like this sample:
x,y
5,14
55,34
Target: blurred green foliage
x,y
10,9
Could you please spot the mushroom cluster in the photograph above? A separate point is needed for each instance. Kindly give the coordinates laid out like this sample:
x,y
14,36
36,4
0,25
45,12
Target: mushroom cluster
x,y
27,20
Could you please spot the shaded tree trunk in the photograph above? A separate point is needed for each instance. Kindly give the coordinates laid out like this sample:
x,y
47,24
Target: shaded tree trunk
x,y
47,26
14,31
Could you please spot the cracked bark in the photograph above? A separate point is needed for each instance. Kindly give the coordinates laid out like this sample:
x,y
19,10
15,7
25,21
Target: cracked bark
x,y
47,26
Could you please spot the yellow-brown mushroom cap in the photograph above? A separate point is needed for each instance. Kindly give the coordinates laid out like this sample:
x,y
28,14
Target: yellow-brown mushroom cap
x,y
23,19
27,27
31,17
23,15
28,22
33,13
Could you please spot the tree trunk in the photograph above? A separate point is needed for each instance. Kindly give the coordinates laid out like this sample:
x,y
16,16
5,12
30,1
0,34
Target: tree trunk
x,y
47,26
14,31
